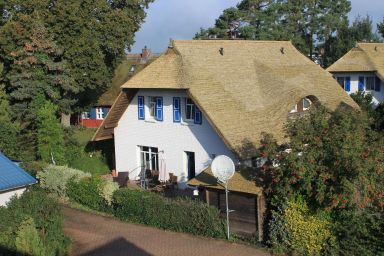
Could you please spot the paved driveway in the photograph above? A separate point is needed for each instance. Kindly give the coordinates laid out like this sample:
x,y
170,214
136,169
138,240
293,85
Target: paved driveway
x,y
97,235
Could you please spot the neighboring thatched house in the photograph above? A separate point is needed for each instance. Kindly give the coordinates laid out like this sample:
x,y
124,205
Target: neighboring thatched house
x,y
206,98
128,68
362,69
13,180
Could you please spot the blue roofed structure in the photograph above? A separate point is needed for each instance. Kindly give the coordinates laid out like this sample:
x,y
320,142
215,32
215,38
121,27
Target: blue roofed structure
x,y
12,176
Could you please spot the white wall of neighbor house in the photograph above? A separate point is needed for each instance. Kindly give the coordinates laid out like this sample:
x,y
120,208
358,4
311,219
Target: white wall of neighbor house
x,y
172,139
7,195
378,96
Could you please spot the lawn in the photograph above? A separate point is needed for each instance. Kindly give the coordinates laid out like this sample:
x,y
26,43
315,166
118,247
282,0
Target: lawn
x,y
88,156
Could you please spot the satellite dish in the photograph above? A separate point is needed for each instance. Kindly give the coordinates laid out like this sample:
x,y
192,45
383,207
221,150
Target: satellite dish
x,y
223,168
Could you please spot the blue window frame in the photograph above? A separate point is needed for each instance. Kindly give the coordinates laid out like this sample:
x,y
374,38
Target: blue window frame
x,y
176,110
140,107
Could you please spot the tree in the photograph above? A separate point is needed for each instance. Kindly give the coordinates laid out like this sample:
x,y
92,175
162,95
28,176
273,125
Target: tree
x,y
50,135
334,161
380,28
306,23
37,67
92,34
9,130
347,37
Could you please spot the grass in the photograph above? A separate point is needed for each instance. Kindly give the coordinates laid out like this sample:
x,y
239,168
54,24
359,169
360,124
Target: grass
x,y
88,157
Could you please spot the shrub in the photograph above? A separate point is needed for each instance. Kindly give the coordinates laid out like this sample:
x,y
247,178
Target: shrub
x,y
55,178
109,187
360,232
181,215
88,192
28,240
295,229
47,219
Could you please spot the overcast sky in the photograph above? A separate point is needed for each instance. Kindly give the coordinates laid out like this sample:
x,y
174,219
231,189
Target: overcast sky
x,y
181,19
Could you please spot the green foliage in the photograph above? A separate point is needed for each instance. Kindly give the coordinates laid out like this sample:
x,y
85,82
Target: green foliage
x,y
90,54
47,218
306,23
50,135
109,187
85,155
88,192
347,37
9,129
55,178
296,230
28,240
334,161
181,215
360,232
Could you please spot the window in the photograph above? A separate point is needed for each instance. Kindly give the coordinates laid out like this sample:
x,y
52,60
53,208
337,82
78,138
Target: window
x,y
344,82
303,105
99,113
306,104
85,115
152,106
189,109
370,83
341,80
149,158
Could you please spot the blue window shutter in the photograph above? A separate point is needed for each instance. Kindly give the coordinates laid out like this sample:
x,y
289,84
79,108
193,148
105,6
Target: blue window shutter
x,y
361,83
140,107
377,84
92,113
176,110
159,108
347,86
198,116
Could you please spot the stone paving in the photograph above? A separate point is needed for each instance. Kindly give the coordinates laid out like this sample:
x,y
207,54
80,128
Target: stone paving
x,y
97,235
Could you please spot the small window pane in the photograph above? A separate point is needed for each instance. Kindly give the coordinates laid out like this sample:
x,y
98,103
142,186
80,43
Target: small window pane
x,y
306,103
340,80
370,83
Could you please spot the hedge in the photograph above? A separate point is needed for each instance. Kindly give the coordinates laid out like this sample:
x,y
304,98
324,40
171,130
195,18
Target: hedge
x,y
88,192
180,215
34,213
55,178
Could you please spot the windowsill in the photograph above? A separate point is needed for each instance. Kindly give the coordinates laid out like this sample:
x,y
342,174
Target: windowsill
x,y
150,121
187,123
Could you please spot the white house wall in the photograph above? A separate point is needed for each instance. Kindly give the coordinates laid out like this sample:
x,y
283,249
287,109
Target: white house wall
x,y
377,96
6,196
171,139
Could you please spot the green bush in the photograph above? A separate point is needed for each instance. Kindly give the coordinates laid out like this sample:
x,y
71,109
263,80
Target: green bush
x,y
360,232
47,220
88,192
181,215
295,229
55,178
28,241
109,187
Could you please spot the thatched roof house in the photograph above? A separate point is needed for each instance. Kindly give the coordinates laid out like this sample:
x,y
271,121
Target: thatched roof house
x,y
365,57
242,87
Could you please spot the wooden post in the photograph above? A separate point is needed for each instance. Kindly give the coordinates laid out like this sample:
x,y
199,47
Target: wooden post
x,y
260,215
207,196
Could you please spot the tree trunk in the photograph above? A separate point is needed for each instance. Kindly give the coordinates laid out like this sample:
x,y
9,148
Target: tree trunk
x,y
65,119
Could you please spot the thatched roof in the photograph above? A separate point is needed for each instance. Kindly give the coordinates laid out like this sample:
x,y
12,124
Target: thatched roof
x,y
238,183
123,74
365,57
248,89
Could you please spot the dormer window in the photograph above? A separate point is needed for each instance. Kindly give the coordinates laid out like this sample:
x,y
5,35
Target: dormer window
x,y
303,105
